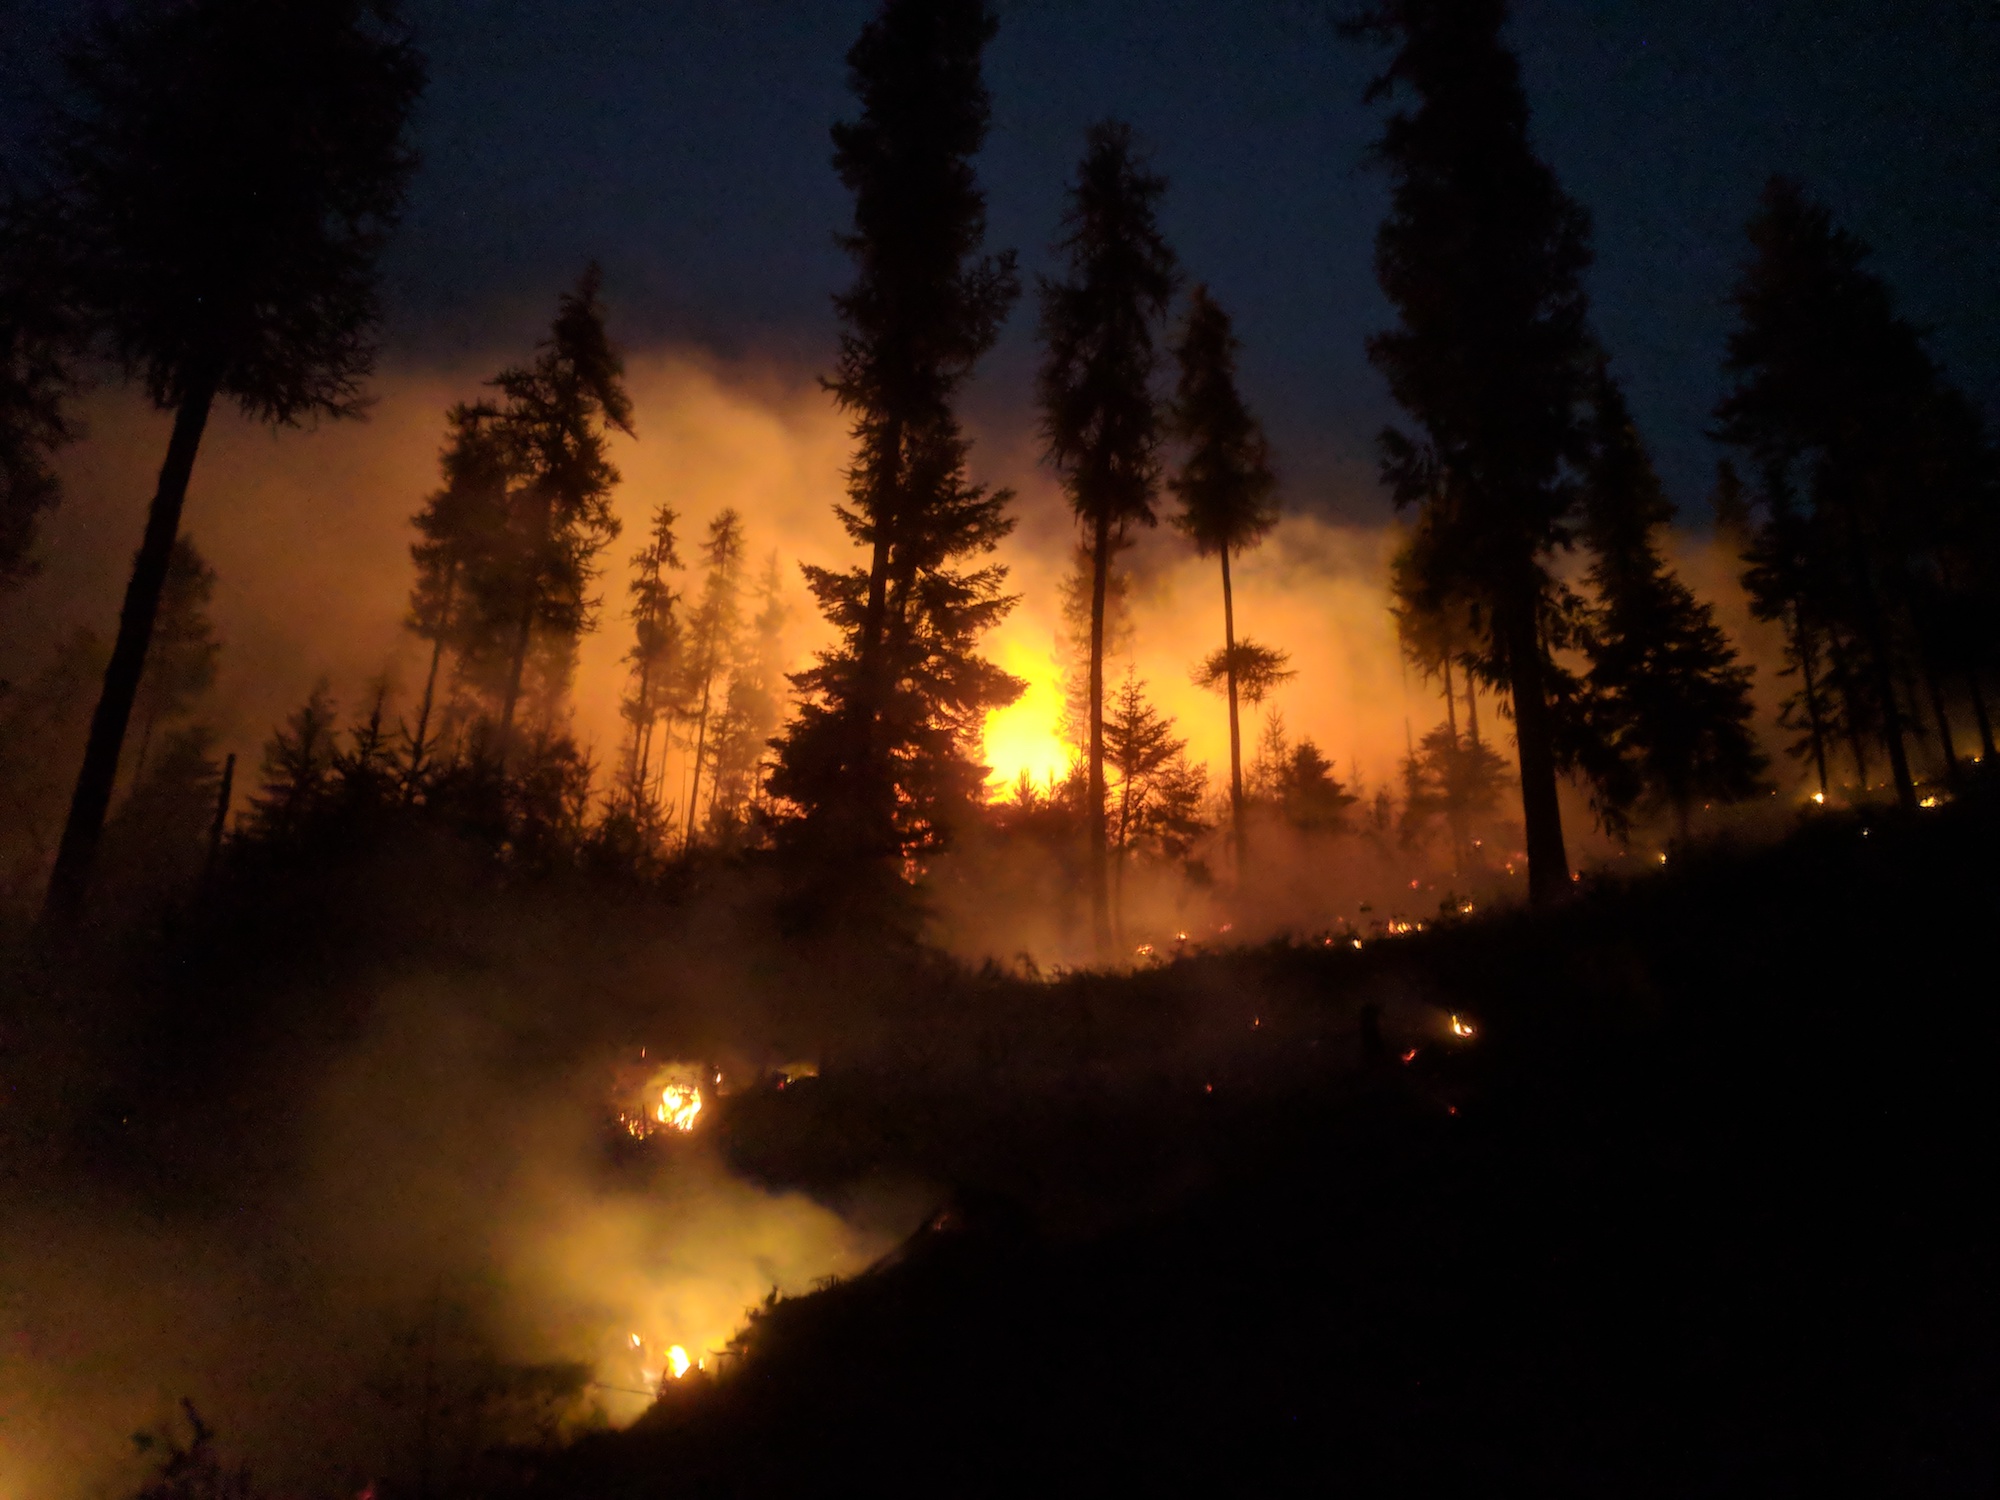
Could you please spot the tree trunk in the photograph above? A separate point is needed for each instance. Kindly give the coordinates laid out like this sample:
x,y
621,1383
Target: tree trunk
x,y
419,742
700,743
1472,708
1843,680
1979,713
515,667
1802,648
1936,692
69,883
221,823
1239,834
1541,812
1454,804
1100,896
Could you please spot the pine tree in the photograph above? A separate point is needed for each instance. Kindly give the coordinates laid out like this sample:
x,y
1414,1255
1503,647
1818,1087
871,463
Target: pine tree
x,y
38,345
530,593
1673,701
1835,404
880,758
712,639
1482,255
298,769
1158,794
753,710
226,180
1101,419
462,525
1226,489
652,698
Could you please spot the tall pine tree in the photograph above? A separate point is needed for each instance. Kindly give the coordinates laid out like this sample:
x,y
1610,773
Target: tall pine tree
x,y
1482,256
227,176
1101,417
881,757
1669,695
1227,493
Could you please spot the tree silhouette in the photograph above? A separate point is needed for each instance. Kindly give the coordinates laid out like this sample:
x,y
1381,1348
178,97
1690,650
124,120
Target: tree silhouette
x,y
1482,255
1671,699
1101,419
1226,489
300,759
227,175
553,421
459,529
656,662
1296,781
712,632
1455,777
753,710
38,338
1866,464
880,757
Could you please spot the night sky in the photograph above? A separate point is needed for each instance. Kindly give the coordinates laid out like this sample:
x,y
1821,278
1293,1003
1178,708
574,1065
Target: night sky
x,y
685,146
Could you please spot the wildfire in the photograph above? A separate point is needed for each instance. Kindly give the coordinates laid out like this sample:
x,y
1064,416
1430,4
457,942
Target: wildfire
x,y
678,1362
670,1098
1461,1027
1025,738
678,1106
1820,798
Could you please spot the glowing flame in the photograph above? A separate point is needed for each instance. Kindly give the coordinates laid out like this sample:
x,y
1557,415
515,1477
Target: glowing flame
x,y
1820,798
678,1362
1932,801
1460,1026
678,1106
1025,737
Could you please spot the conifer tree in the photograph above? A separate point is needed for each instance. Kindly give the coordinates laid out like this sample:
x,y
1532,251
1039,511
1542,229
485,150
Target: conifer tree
x,y
1834,403
1101,418
461,526
299,763
1482,255
1139,744
226,179
712,643
38,338
1226,489
1672,701
655,660
880,757
530,592
754,708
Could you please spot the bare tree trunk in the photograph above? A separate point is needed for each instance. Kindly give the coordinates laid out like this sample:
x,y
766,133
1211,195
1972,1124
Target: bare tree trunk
x,y
1802,647
221,822
69,883
1541,812
515,668
1936,692
1239,833
1100,897
1454,807
700,742
1979,713
1843,680
1471,708
419,742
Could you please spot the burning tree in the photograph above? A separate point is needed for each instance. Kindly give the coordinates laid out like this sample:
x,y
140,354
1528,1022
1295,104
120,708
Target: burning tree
x,y
879,760
225,180
1100,416
1482,255
1226,488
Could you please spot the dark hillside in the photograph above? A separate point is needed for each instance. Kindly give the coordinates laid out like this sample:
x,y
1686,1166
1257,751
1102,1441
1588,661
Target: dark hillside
x,y
1695,1211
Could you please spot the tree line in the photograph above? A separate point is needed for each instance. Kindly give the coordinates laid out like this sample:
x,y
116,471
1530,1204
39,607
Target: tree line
x,y
206,215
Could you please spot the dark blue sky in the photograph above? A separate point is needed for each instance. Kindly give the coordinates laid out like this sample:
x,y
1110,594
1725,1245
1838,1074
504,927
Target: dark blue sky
x,y
685,145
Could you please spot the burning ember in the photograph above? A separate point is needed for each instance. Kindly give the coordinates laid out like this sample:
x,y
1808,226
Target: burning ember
x,y
678,1363
1461,1027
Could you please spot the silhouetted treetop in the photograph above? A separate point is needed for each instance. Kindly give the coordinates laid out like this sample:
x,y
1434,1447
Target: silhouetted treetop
x,y
232,168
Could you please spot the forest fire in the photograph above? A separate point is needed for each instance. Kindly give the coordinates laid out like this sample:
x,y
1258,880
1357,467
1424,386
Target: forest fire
x,y
670,1098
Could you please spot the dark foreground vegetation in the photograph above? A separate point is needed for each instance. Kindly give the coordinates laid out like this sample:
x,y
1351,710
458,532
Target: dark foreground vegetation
x,y
1695,1211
